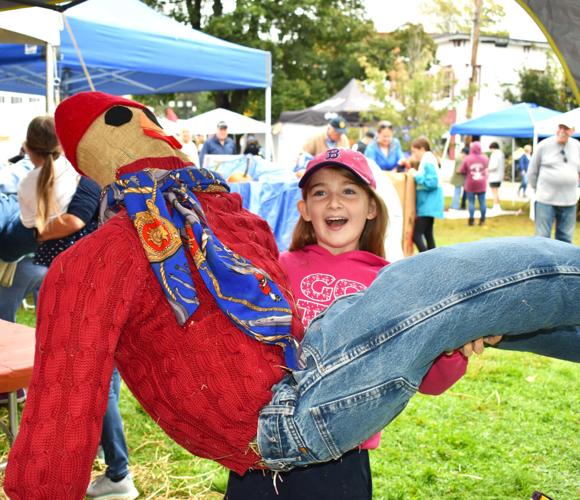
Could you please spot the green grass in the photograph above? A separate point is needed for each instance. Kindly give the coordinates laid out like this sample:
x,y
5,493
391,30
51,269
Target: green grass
x,y
509,427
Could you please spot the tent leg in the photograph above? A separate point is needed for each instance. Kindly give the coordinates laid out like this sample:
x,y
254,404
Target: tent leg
x,y
50,90
268,106
514,192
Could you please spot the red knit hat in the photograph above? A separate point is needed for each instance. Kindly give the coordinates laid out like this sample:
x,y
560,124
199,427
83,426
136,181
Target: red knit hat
x,y
74,116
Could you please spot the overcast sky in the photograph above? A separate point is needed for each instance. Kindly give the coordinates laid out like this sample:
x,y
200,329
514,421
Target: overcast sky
x,y
388,15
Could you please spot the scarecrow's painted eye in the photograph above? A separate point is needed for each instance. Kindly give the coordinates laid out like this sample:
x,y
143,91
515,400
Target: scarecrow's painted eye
x,y
152,117
118,115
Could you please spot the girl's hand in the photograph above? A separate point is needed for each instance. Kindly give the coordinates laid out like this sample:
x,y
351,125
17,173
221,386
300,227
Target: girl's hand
x,y
478,345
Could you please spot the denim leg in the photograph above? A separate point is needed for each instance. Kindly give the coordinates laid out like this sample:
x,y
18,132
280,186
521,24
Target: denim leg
x,y
471,204
482,205
544,219
456,198
27,278
112,437
16,239
565,223
364,357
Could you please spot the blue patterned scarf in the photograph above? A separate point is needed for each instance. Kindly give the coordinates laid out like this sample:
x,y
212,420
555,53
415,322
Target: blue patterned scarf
x,y
246,294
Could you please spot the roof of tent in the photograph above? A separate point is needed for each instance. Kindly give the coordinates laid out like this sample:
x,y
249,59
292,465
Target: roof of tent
x,y
136,50
516,121
549,126
237,124
349,102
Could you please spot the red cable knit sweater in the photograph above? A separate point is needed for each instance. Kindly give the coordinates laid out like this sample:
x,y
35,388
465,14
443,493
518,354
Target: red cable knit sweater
x,y
204,384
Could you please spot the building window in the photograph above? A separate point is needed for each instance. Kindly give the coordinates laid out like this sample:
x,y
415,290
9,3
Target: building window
x,y
16,100
449,82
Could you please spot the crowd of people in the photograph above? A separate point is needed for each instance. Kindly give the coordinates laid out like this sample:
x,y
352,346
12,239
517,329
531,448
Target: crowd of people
x,y
475,174
46,207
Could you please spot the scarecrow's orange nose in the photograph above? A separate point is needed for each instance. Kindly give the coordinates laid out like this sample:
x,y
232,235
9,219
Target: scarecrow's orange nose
x,y
151,129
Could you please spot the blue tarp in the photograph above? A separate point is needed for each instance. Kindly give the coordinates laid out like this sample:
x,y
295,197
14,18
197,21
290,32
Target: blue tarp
x,y
517,121
273,195
130,48
276,203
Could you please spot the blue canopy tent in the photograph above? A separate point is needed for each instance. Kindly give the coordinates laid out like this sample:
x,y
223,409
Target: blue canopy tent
x,y
516,121
129,48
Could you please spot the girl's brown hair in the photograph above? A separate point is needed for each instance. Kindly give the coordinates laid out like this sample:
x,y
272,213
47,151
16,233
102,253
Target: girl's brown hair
x,y
42,142
421,143
372,238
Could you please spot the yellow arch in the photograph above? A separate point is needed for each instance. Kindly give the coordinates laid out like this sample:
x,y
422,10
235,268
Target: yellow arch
x,y
567,72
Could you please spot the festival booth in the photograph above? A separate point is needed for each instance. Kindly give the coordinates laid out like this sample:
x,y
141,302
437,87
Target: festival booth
x,y
135,51
296,127
517,121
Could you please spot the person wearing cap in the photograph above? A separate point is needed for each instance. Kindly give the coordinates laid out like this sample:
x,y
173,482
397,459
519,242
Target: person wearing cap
x,y
219,144
385,150
337,248
554,172
333,137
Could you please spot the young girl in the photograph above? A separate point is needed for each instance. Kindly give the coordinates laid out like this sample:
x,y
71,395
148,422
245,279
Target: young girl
x,y
337,249
46,193
429,194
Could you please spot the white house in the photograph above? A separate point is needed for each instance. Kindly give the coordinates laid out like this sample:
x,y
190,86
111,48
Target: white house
x,y
499,60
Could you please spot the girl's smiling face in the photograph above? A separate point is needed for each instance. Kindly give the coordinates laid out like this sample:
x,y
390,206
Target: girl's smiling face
x,y
338,209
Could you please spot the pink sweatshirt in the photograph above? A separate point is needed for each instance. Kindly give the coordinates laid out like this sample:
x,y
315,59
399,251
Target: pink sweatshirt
x,y
318,278
474,167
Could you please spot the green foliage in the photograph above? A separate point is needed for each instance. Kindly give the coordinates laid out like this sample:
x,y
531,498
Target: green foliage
x,y
544,88
315,45
456,16
409,90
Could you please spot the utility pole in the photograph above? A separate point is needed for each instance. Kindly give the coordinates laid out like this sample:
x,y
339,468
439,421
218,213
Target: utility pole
x,y
474,45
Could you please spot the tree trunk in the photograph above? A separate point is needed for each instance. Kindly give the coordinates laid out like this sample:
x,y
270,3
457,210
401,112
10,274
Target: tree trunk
x,y
474,45
194,11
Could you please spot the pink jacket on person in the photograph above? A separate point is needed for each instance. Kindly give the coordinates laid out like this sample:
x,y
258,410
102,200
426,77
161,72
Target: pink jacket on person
x,y
474,167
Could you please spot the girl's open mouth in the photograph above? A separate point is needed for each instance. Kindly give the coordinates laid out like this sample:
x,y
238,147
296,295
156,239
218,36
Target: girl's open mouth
x,y
336,221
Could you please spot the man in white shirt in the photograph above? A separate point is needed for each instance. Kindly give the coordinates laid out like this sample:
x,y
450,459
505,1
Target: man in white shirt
x,y
554,173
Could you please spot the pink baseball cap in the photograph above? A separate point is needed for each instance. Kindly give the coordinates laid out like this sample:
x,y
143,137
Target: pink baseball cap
x,y
345,158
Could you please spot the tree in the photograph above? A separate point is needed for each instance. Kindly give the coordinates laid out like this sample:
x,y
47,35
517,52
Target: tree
x,y
315,45
544,88
408,92
456,16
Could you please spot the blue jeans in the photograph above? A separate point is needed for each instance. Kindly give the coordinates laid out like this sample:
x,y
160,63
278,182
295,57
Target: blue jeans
x,y
565,218
524,183
27,279
364,357
456,197
112,436
481,201
15,239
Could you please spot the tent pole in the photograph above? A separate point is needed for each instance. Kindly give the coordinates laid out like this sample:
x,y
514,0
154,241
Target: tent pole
x,y
50,90
268,106
513,172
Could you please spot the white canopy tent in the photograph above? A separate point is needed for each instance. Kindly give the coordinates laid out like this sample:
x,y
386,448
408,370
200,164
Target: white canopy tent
x,y
237,124
550,126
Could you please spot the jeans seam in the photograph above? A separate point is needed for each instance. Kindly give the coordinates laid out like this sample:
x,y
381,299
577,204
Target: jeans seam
x,y
433,310
398,382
